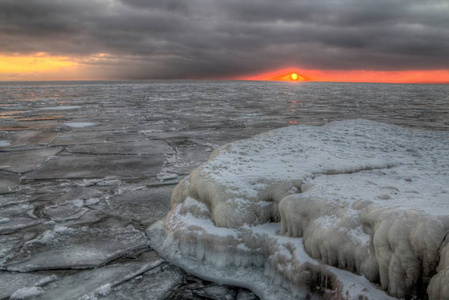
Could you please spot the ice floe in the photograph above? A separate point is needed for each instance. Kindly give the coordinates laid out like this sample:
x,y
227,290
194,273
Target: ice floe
x,y
347,210
153,284
62,107
79,124
25,161
63,248
18,283
5,143
27,292
16,217
95,283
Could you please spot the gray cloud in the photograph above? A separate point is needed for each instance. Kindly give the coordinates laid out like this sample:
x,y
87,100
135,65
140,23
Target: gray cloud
x,y
217,38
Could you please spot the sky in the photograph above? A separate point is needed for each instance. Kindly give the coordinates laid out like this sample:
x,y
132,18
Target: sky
x,y
322,40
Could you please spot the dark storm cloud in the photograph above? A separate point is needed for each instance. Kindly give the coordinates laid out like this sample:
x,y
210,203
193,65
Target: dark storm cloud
x,y
216,38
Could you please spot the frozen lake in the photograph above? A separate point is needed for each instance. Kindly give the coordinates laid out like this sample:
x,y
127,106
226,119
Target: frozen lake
x,y
85,167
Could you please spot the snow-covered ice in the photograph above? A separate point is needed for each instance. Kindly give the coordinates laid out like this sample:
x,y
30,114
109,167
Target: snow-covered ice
x,y
356,196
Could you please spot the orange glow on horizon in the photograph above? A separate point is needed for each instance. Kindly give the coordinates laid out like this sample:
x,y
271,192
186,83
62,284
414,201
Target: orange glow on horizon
x,y
279,75
43,66
36,63
414,76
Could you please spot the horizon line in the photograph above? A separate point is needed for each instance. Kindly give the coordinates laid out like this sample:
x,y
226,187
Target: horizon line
x,y
215,79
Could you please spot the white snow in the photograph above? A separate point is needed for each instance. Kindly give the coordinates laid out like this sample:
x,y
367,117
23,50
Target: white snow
x,y
104,290
60,229
370,198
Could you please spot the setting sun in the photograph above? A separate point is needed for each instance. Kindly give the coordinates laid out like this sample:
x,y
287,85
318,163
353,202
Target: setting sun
x,y
290,74
409,76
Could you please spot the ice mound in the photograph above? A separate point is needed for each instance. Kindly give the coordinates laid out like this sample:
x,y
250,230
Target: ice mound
x,y
349,210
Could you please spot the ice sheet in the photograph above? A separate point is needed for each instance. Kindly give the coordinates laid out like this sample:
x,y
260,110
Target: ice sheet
x,y
357,195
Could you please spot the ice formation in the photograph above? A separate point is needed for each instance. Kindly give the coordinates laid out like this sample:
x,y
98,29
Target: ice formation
x,y
349,210
27,292
79,124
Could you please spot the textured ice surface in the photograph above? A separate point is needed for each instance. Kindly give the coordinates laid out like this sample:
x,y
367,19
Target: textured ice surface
x,y
12,282
8,181
151,285
24,138
24,161
95,283
84,166
146,205
356,195
16,217
76,248
138,147
94,137
192,287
